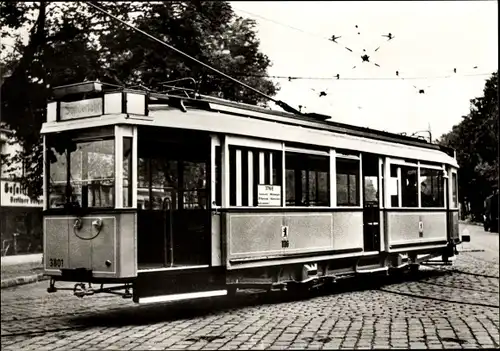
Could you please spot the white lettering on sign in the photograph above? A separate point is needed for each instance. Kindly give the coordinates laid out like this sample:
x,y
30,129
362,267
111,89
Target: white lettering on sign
x,y
421,227
269,195
82,108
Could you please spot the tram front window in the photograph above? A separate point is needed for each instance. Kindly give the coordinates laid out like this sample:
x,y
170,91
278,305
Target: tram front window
x,y
81,173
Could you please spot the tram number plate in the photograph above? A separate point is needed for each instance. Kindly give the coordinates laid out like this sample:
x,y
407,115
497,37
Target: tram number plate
x,y
56,262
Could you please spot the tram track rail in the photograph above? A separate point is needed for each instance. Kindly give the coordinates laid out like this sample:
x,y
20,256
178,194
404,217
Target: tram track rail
x,y
454,270
461,288
46,331
437,298
468,253
384,288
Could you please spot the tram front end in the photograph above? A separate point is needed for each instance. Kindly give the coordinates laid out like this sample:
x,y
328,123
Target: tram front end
x,y
89,222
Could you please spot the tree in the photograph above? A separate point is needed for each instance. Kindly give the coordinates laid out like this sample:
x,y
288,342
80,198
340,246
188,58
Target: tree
x,y
475,139
72,42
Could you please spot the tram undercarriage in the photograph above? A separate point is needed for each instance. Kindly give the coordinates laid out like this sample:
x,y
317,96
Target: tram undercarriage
x,y
298,278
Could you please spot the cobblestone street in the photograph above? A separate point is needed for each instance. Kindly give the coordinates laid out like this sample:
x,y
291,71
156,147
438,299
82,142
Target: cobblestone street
x,y
440,307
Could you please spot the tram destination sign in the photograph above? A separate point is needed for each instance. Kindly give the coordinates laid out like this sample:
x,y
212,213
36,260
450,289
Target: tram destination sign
x,y
80,109
269,195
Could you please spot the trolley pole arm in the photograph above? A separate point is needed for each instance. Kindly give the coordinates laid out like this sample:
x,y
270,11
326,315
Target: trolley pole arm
x,y
280,103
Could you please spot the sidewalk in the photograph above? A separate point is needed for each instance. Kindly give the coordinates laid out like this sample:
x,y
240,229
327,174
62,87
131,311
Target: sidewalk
x,y
21,269
469,222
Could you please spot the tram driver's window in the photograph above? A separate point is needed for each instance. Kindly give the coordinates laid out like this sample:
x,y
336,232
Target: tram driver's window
x,y
92,177
347,182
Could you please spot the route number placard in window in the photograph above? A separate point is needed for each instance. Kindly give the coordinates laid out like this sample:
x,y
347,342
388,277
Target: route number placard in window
x,y
269,195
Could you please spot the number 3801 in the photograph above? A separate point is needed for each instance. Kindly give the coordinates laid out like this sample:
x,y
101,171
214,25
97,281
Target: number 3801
x,y
56,262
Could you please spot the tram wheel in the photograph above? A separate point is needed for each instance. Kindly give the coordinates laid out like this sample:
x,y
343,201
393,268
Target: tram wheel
x,y
414,268
231,291
298,290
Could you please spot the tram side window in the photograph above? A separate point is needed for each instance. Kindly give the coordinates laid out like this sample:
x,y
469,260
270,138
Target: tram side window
x,y
454,190
431,187
248,168
347,182
394,186
143,183
218,176
404,179
409,186
307,180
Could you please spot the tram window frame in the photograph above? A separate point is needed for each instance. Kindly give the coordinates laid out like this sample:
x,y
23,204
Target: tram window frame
x,y
218,175
399,175
299,170
394,187
71,142
341,169
454,190
250,169
438,200
128,169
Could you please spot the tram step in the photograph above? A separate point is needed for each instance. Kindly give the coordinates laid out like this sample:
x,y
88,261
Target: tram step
x,y
371,270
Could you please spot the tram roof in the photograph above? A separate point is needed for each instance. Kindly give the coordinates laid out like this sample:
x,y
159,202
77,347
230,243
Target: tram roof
x,y
209,103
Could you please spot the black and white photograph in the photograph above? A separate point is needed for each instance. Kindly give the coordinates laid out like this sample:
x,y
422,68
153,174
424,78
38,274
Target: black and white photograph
x,y
249,175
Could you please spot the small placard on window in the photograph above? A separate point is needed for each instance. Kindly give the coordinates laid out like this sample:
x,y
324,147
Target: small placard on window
x,y
269,195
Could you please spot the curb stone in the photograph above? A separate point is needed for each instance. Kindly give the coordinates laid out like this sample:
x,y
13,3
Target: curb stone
x,y
7,283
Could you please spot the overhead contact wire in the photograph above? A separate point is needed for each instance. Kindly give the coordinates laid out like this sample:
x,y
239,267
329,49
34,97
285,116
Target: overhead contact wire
x,y
278,102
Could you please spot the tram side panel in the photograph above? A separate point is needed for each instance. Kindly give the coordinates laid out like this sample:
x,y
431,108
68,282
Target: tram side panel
x,y
416,227
93,246
259,236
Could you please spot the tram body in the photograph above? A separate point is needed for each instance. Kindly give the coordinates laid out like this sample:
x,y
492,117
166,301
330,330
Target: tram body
x,y
169,198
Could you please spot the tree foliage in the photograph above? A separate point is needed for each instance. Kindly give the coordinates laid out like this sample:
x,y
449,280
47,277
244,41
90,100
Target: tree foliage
x,y
70,42
475,139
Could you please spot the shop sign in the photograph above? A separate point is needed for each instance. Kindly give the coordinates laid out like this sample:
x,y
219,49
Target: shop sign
x,y
13,195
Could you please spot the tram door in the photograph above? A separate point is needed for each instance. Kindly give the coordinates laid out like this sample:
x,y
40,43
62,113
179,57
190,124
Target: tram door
x,y
371,207
173,214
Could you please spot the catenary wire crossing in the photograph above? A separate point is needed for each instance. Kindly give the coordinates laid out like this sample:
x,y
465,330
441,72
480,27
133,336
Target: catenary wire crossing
x,y
334,77
357,53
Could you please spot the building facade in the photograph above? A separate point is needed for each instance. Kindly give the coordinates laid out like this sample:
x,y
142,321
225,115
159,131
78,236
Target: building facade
x,y
21,226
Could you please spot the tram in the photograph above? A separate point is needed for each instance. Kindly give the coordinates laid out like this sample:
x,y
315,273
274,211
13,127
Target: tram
x,y
163,197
